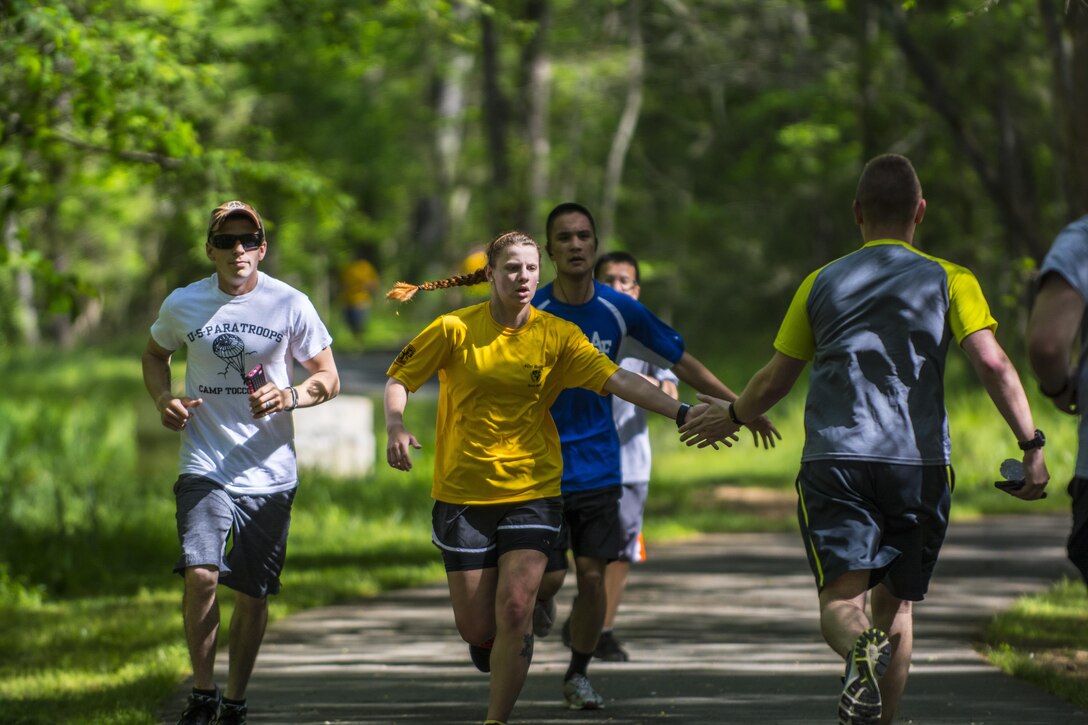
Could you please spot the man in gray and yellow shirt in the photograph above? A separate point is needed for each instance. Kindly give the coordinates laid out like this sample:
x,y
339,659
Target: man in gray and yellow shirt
x,y
875,483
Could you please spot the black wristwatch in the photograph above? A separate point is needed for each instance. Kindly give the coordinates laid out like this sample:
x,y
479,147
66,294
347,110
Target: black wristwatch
x,y
1037,442
682,414
733,416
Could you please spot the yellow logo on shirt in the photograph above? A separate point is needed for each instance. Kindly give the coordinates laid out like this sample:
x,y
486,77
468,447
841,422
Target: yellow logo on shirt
x,y
536,372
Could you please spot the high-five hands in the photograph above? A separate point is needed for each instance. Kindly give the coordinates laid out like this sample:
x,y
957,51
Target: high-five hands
x,y
713,425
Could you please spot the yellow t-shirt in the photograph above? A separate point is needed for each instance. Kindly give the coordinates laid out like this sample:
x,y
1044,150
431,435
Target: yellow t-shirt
x,y
496,441
358,281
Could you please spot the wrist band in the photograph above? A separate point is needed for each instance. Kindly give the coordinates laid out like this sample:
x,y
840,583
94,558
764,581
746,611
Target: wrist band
x,y
682,414
733,416
294,398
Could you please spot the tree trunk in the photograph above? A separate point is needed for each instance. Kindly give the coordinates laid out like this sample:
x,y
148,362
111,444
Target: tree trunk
x,y
625,131
1077,22
1063,101
23,312
536,82
450,104
867,27
941,101
496,123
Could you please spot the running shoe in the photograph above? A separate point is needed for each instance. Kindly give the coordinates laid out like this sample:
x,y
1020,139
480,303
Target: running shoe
x,y
543,616
859,703
580,695
201,709
481,655
610,649
232,714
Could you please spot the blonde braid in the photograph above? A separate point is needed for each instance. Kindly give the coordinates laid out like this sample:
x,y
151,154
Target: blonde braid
x,y
404,291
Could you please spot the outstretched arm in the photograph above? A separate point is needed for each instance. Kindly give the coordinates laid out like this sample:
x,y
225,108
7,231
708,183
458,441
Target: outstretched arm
x,y
1002,383
1055,320
397,448
636,389
766,388
695,374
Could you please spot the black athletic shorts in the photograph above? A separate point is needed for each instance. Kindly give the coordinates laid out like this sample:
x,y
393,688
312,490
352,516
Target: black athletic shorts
x,y
1077,546
591,526
888,519
473,537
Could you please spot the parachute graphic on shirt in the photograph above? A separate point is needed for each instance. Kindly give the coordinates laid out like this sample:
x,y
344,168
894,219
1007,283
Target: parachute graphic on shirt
x,y
231,350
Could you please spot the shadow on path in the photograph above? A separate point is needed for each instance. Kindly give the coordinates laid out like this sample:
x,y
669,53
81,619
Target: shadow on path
x,y
721,629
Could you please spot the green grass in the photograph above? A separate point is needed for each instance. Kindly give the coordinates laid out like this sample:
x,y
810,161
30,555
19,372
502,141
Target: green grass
x,y
90,627
1043,639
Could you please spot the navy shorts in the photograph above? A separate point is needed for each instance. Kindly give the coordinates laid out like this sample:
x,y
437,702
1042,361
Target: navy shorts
x,y
473,537
888,519
256,526
591,522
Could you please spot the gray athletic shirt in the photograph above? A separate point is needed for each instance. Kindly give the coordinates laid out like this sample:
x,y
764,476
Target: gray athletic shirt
x,y
876,325
1068,257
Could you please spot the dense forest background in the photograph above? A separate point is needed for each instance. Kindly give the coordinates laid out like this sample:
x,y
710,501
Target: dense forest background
x,y
720,140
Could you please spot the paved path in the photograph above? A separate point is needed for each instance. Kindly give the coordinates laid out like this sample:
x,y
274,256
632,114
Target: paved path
x,y
721,629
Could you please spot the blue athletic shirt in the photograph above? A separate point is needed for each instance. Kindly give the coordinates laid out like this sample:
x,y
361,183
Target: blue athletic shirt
x,y
619,326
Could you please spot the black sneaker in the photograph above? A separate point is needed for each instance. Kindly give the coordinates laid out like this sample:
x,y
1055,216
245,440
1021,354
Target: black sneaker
x,y
859,702
481,655
201,709
609,649
232,713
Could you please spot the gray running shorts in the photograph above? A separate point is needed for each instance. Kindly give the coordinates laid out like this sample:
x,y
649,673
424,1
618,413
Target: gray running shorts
x,y
884,518
209,518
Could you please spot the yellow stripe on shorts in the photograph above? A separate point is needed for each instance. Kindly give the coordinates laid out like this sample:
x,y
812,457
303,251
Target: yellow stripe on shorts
x,y
815,555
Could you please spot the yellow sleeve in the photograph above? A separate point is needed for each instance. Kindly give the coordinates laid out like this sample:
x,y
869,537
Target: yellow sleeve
x,y
968,310
795,337
427,353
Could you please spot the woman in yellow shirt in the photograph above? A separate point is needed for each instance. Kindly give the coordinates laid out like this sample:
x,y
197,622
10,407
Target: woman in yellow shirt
x,y
500,363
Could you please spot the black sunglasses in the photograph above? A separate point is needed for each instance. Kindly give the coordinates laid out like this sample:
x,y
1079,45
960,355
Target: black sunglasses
x,y
249,240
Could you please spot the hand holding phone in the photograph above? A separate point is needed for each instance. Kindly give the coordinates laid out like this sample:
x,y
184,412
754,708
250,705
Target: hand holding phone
x,y
1012,471
255,380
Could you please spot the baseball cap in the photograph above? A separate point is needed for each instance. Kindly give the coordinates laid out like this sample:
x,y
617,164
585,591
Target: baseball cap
x,y
232,208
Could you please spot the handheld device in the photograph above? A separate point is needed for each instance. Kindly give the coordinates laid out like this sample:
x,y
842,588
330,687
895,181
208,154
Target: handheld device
x,y
255,379
1012,471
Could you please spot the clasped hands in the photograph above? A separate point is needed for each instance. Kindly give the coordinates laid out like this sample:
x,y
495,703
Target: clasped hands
x,y
709,424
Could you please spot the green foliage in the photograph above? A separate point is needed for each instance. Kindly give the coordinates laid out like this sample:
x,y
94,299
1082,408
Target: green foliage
x,y
366,126
1043,639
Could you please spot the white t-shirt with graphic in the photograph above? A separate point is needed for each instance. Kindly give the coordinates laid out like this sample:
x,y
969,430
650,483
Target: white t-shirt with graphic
x,y
632,426
226,336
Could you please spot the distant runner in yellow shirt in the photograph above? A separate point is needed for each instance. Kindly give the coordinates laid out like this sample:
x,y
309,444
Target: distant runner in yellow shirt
x,y
359,282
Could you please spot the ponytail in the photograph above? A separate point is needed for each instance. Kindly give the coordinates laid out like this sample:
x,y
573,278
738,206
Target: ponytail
x,y
404,291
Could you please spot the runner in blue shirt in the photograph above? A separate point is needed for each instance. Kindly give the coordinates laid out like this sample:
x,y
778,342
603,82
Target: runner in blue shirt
x,y
619,326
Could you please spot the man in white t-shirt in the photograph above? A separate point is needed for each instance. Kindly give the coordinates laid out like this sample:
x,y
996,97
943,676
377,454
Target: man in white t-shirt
x,y
620,271
237,469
